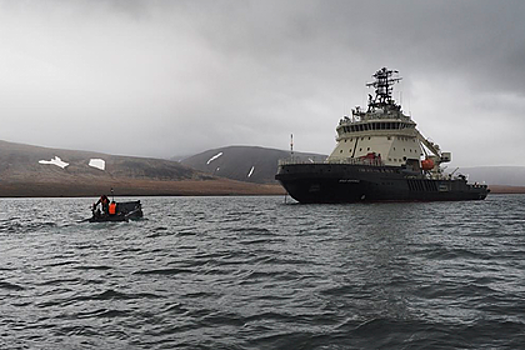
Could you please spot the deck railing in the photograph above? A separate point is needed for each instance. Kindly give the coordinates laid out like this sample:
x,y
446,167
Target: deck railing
x,y
351,161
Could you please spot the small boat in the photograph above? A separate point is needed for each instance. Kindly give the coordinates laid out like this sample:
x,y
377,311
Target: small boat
x,y
125,211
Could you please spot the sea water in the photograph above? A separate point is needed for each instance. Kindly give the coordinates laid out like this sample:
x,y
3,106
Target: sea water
x,y
262,273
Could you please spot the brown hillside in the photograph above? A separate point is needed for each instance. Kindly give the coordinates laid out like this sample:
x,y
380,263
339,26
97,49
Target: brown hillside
x,y
22,175
498,189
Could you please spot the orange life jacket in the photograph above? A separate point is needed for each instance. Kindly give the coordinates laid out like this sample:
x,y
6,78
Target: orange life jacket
x,y
112,208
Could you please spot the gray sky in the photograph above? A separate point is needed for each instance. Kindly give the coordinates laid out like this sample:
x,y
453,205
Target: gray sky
x,y
165,78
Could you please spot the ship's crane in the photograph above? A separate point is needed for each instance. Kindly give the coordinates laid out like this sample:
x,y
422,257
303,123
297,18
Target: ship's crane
x,y
436,159
432,147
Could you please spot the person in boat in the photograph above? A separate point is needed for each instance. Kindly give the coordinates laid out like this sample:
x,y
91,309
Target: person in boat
x,y
96,211
104,202
112,209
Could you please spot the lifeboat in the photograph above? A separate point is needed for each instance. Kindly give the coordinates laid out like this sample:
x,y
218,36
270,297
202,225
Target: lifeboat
x,y
427,164
371,155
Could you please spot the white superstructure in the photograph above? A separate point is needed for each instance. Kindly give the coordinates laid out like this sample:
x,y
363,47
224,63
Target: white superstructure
x,y
384,133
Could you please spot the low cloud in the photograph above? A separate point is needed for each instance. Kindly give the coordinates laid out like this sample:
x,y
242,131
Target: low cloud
x,y
163,78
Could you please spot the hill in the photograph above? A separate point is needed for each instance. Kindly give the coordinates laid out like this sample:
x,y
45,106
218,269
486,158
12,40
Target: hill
x,y
38,171
244,163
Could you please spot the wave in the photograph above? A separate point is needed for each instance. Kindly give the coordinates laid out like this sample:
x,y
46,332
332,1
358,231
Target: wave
x,y
14,226
163,272
111,294
11,286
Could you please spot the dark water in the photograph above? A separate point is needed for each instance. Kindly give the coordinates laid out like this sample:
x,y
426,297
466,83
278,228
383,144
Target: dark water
x,y
255,273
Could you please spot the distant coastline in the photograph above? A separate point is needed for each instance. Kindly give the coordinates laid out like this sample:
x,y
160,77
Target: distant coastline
x,y
32,171
500,189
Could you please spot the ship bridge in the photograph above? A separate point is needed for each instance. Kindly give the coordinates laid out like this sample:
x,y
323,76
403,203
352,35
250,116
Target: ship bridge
x,y
381,132
392,141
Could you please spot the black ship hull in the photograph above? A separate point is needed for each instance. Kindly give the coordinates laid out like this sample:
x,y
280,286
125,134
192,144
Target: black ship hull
x,y
347,183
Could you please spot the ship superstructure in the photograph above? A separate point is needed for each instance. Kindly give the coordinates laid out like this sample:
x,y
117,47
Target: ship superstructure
x,y
383,132
381,140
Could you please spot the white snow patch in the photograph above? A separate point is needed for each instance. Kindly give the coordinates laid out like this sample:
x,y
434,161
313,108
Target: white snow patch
x,y
98,163
251,171
218,168
56,161
213,158
311,160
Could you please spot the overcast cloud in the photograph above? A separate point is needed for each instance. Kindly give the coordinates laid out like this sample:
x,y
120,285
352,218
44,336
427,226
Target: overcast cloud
x,y
165,78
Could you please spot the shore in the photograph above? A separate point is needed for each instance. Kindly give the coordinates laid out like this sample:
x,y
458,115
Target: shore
x,y
140,188
499,189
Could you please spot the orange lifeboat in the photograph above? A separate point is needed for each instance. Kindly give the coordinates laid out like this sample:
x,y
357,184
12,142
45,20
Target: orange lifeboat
x,y
427,164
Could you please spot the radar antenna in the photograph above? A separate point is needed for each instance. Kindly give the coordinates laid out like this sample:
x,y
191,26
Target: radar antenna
x,y
384,79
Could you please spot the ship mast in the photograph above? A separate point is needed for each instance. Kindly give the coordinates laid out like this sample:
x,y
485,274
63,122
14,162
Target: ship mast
x,y
384,79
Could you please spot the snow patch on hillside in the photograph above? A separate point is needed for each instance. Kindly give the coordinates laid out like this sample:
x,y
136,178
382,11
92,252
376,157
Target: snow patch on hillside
x,y
56,161
251,171
213,158
97,163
